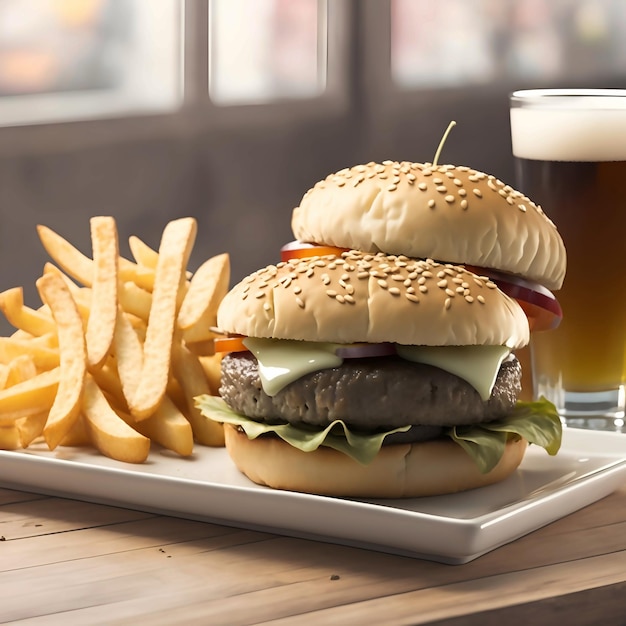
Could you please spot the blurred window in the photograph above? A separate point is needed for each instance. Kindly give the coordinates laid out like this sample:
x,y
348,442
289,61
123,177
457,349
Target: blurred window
x,y
469,42
264,50
77,59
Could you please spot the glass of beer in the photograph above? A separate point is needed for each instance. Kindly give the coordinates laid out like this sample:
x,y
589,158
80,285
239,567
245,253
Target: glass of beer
x,y
570,158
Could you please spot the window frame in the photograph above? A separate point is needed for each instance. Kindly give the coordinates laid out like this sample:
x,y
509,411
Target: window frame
x,y
196,112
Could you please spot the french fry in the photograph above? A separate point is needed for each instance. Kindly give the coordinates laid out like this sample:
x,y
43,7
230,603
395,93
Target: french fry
x,y
101,322
167,426
212,366
32,396
80,267
190,375
135,300
208,286
31,427
143,253
20,369
73,357
22,317
10,438
78,435
115,359
176,243
44,356
129,357
111,435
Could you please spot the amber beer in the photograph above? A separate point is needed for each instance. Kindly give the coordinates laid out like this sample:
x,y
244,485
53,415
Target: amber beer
x,y
570,157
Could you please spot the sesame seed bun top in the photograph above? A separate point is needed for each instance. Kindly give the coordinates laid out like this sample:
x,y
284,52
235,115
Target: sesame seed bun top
x,y
453,214
374,298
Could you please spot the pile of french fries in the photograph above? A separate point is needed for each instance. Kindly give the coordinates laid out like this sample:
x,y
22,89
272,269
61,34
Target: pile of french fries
x,y
116,353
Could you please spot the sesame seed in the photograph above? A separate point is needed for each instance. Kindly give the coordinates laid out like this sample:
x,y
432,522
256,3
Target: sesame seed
x,y
438,181
394,291
382,176
447,304
259,294
392,187
300,302
449,199
423,288
450,293
491,285
341,183
382,283
462,192
297,289
410,289
477,192
341,299
431,203
457,182
469,299
331,293
441,188
442,283
480,299
266,306
411,297
464,204
422,186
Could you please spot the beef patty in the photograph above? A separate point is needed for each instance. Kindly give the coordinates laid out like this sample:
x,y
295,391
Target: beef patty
x,y
369,394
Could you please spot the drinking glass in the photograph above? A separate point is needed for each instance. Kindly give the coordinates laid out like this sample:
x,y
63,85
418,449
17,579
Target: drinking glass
x,y
570,157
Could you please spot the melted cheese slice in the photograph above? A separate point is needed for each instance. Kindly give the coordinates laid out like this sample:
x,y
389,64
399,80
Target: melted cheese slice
x,y
281,362
478,365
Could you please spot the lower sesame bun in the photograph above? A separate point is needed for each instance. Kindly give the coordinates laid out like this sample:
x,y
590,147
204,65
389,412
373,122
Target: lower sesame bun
x,y
399,471
373,298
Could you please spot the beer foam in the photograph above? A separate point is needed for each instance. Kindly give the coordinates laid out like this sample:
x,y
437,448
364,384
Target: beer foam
x,y
567,133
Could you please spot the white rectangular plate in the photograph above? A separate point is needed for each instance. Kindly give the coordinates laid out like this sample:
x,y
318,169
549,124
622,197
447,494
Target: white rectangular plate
x,y
450,529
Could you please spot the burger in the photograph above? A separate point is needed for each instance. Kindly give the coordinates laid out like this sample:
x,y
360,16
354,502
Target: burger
x,y
377,358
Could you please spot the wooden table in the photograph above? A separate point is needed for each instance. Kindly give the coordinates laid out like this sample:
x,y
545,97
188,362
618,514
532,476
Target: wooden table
x,y
70,562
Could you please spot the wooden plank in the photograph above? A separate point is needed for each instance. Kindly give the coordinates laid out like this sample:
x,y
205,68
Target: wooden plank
x,y
119,537
53,515
513,591
10,496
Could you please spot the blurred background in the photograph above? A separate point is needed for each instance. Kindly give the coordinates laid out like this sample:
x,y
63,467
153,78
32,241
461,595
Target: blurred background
x,y
229,110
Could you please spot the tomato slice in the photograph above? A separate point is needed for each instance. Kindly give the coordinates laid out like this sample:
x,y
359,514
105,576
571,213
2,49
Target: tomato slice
x,y
229,344
540,304
345,351
301,250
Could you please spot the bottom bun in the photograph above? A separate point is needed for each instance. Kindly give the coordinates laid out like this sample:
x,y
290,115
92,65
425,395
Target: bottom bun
x,y
399,471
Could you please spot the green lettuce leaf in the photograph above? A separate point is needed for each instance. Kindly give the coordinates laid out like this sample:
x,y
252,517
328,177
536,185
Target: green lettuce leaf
x,y
337,435
538,422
